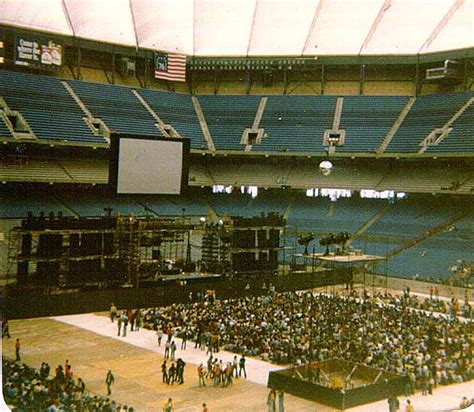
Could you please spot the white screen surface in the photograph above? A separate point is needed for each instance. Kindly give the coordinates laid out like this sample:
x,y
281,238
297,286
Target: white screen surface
x,y
149,166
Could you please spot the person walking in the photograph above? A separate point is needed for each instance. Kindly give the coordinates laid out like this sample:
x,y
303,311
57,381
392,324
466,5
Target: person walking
x,y
409,407
109,380
167,350
242,366
17,350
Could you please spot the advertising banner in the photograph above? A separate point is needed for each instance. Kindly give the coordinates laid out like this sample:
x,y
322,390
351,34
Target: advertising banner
x,y
37,52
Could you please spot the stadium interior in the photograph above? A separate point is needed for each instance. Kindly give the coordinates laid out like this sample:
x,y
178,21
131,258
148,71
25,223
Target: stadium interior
x,y
329,154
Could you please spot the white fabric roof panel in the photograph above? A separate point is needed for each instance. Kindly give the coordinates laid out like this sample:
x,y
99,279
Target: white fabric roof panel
x,y
458,33
108,21
255,27
222,25
42,15
280,27
342,27
406,25
165,24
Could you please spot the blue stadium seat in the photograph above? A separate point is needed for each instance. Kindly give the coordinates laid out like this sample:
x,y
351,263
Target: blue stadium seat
x,y
227,117
427,113
177,110
367,120
461,138
296,123
4,130
117,106
47,106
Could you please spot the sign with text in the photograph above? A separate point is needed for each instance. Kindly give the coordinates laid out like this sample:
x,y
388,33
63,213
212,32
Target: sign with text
x,y
37,52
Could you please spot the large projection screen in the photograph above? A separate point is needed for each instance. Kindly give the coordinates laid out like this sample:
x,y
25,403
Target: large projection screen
x,y
144,165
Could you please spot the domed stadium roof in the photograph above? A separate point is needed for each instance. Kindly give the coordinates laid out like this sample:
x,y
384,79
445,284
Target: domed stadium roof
x,y
256,27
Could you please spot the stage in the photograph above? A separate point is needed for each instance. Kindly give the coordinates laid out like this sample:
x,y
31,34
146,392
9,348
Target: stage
x,y
352,257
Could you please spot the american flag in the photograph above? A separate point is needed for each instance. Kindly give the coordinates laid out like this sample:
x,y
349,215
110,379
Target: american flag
x,y
170,66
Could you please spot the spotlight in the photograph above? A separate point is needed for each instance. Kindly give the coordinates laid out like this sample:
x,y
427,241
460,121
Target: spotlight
x,y
325,167
202,219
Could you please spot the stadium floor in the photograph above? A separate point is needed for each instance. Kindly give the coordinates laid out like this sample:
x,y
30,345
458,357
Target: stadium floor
x,y
91,344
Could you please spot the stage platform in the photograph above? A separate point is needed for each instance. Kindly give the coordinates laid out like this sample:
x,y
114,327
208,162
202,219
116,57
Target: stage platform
x,y
349,258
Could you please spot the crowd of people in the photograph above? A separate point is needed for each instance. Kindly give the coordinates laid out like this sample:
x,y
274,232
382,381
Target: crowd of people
x,y
27,389
294,328
433,303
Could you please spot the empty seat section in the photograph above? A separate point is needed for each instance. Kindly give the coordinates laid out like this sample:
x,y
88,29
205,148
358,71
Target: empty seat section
x,y
428,113
320,215
411,218
177,110
17,204
175,205
32,170
117,106
86,170
227,117
367,120
46,105
93,204
296,123
5,132
461,138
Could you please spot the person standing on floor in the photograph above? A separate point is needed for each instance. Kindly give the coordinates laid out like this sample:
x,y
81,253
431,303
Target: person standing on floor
x,y
184,339
409,407
159,335
17,350
200,370
167,350
164,371
119,323
271,399
173,349
242,366
205,408
281,401
124,323
113,312
5,329
393,404
109,380
172,374
168,406
180,371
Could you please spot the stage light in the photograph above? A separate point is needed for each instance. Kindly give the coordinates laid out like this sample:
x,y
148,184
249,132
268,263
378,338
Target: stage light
x,y
202,219
325,167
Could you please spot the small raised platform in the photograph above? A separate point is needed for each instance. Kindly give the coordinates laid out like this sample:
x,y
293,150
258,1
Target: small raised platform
x,y
337,383
351,257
